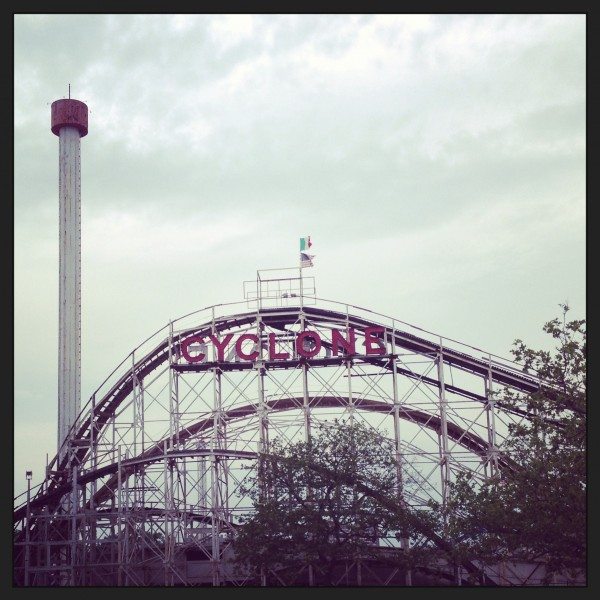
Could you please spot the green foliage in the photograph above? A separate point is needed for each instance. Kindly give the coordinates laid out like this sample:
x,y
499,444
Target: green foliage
x,y
308,508
538,509
331,500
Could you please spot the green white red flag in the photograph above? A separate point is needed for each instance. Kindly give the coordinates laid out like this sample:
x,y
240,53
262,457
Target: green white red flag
x,y
305,257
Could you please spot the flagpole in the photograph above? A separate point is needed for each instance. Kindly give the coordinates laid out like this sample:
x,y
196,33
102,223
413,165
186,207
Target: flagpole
x,y
301,286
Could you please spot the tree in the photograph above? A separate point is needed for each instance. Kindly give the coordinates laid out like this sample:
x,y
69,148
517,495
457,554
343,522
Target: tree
x,y
312,505
329,501
536,510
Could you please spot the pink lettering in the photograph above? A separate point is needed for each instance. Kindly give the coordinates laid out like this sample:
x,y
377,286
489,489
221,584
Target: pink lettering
x,y
185,346
220,346
337,340
238,347
374,345
273,354
302,351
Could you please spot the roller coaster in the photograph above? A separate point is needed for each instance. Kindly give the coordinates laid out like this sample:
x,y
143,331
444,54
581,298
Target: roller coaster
x,y
148,488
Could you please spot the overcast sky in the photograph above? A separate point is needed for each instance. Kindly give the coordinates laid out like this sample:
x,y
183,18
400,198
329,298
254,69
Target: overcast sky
x,y
438,163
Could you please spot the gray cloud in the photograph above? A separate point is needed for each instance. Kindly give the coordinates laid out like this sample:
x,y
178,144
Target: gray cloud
x,y
437,161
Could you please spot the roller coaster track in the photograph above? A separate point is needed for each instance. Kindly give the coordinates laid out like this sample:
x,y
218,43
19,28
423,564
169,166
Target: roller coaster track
x,y
281,318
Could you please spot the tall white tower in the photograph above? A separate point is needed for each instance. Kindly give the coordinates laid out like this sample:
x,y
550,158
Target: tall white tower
x,y
70,124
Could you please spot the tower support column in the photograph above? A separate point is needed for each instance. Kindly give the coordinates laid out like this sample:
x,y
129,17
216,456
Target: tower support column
x,y
69,123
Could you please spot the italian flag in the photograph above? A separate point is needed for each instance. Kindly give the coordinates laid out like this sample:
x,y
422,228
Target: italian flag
x,y
305,243
305,258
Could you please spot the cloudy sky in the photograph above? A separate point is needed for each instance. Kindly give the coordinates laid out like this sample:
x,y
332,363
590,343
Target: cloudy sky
x,y
438,162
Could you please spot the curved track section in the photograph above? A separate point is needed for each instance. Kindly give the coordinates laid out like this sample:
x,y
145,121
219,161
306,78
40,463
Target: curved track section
x,y
156,462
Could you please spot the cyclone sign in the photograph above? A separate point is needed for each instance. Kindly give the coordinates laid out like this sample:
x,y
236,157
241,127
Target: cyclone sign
x,y
306,343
